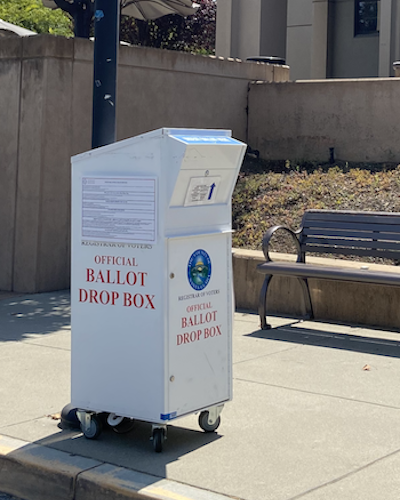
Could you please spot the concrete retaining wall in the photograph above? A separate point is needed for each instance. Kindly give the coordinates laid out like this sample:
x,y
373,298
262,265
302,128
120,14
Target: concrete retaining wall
x,y
335,301
302,120
46,106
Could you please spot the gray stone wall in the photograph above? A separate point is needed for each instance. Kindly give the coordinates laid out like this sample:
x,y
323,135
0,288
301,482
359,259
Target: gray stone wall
x,y
302,120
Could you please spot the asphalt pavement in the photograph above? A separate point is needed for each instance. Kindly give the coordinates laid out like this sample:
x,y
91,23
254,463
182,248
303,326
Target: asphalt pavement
x,y
315,415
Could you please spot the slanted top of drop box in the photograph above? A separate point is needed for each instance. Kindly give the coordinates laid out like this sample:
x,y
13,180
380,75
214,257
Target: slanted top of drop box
x,y
183,135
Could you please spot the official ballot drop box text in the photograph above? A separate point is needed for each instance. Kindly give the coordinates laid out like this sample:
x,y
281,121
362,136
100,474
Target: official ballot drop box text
x,y
151,285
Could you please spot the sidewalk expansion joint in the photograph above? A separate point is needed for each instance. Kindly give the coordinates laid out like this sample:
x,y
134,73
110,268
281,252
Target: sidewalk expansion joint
x,y
345,476
266,355
333,396
29,420
29,342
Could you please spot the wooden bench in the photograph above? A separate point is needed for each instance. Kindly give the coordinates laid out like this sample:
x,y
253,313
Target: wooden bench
x,y
371,234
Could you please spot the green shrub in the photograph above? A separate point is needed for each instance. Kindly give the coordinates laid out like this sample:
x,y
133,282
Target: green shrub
x,y
261,200
31,14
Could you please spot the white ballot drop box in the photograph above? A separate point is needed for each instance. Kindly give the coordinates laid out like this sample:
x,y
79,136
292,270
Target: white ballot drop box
x,y
151,285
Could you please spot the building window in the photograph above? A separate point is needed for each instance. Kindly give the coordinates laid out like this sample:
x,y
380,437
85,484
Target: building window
x,y
366,17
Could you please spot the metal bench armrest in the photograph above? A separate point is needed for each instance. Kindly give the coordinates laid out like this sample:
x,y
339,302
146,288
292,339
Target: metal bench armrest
x,y
268,236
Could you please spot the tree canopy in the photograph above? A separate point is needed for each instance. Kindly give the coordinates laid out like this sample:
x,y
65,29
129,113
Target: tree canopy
x,y
32,15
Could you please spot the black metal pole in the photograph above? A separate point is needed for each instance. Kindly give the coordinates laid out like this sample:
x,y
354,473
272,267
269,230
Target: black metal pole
x,y
82,15
82,12
106,31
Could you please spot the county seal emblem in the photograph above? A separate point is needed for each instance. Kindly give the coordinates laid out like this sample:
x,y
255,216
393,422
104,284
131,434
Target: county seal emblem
x,y
199,269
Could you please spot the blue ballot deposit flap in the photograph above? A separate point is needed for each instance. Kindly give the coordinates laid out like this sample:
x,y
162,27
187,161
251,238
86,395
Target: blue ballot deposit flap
x,y
203,139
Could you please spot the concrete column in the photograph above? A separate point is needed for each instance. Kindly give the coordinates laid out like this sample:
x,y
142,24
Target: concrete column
x,y
395,30
42,218
238,28
223,36
299,38
10,83
395,38
246,34
319,51
251,28
273,28
385,37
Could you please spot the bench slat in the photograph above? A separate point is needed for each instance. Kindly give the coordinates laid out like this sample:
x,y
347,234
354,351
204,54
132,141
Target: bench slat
x,y
394,228
348,234
355,217
384,254
332,273
341,243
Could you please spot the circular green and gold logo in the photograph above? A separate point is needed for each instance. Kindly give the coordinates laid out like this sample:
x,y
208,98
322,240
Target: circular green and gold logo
x,y
199,269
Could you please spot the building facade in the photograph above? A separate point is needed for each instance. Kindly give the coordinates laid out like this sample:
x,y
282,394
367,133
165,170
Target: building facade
x,y
317,38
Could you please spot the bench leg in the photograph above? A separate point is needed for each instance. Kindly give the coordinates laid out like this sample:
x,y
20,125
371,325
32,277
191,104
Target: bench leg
x,y
307,298
262,303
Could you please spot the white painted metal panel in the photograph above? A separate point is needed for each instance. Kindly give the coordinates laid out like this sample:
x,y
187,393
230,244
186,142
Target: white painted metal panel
x,y
117,322
200,322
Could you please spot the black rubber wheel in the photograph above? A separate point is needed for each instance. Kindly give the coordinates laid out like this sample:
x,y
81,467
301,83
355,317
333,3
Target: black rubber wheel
x,y
69,418
124,427
95,428
203,422
158,440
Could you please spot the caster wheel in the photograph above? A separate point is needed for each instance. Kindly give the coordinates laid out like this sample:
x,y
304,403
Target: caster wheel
x,y
203,422
69,418
94,429
113,420
125,426
158,440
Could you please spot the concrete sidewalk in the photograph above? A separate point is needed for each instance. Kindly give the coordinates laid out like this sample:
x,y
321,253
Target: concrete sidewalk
x,y
315,415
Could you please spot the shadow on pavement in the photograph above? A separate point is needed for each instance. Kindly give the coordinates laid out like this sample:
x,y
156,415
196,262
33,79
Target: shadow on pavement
x,y
44,313
65,464
133,450
358,343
